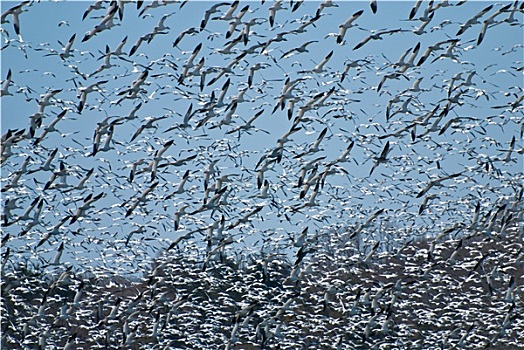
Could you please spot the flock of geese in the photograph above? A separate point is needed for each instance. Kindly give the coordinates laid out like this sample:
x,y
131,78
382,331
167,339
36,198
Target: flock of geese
x,y
262,175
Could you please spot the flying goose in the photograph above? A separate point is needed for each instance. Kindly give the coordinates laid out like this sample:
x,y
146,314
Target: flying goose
x,y
377,35
474,20
436,182
414,9
210,11
51,127
88,202
300,49
277,6
319,68
382,158
98,5
84,91
5,85
346,25
373,5
15,12
105,24
490,21
323,5
228,16
236,21
141,199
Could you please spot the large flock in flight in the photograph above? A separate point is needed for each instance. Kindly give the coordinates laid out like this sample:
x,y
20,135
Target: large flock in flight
x,y
262,175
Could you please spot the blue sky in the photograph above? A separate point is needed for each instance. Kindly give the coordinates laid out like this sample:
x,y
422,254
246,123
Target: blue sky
x,y
354,112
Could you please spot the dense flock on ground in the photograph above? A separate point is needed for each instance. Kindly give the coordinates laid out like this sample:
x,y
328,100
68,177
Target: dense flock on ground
x,y
262,175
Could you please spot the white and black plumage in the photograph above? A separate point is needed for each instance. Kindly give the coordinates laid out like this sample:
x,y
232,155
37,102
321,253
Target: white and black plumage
x,y
210,11
180,188
144,38
474,20
50,128
374,6
158,157
247,126
300,49
98,5
106,23
414,9
436,182
15,13
323,5
189,63
277,6
87,204
140,199
106,65
421,29
319,68
47,164
5,85
148,125
154,4
84,91
228,16
236,21
67,49
189,31
490,21
377,36
382,158
45,100
227,69
316,145
367,223
346,25
432,48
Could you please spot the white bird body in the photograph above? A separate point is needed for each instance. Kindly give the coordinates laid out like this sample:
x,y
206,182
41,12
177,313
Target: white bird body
x,y
5,85
346,25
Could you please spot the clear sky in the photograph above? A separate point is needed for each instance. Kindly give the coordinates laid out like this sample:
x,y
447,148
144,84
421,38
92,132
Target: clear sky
x,y
355,111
